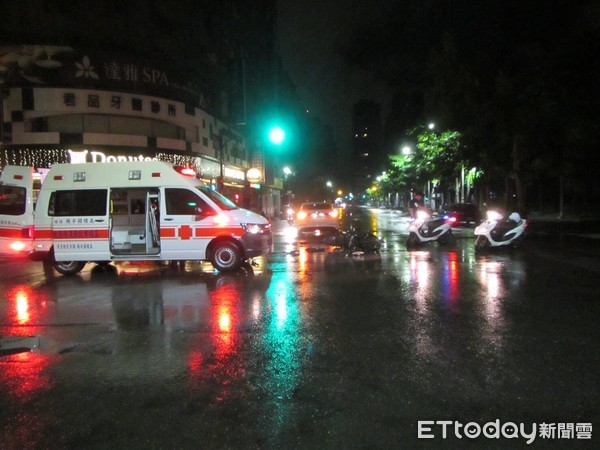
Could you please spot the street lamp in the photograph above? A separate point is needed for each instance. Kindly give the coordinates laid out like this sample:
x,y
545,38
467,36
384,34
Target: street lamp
x,y
406,150
286,184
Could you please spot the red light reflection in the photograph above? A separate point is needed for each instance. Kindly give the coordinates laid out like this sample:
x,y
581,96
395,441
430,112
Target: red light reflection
x,y
452,277
219,363
224,301
25,373
26,306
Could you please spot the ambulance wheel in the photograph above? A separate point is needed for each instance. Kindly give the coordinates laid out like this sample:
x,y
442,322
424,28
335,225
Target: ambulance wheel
x,y
66,267
69,267
226,256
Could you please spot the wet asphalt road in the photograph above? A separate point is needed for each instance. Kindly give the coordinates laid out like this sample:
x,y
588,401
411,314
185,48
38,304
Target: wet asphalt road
x,y
308,349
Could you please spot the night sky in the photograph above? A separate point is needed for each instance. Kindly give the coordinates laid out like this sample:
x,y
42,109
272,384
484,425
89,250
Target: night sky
x,y
309,34
492,69
313,35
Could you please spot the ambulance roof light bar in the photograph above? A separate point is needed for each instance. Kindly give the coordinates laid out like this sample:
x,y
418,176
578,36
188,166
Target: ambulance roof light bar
x,y
186,171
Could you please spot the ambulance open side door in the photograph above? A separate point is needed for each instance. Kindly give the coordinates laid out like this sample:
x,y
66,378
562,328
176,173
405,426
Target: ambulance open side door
x,y
186,227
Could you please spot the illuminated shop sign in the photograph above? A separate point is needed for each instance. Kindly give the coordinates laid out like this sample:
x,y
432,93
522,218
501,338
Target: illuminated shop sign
x,y
96,157
233,173
53,66
253,175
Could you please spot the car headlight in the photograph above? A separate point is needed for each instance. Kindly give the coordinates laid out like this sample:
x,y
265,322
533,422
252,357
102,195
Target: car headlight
x,y
256,228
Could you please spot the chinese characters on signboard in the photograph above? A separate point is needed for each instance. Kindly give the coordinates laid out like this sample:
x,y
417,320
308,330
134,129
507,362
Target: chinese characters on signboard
x,y
71,99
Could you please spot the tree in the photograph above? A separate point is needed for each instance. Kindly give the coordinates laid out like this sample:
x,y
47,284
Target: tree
x,y
436,161
516,79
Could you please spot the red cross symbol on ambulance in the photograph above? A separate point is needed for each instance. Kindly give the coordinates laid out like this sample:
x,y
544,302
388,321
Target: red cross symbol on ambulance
x,y
185,232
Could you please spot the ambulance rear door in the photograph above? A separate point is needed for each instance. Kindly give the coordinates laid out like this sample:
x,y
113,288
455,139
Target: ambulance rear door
x,y
17,201
80,224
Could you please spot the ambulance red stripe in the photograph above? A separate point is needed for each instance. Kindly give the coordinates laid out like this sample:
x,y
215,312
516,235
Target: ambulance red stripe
x,y
202,232
15,233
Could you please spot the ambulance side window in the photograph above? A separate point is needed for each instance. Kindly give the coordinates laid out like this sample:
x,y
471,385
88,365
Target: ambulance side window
x,y
91,202
12,200
182,202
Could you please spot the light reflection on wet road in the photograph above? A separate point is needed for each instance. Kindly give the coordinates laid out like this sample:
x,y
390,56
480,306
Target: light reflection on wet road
x,y
308,349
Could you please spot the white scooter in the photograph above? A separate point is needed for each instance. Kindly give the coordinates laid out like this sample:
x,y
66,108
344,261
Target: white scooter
x,y
427,229
497,231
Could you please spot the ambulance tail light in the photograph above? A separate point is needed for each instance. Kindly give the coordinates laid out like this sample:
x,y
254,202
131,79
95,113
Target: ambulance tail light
x,y
28,232
21,244
17,246
186,171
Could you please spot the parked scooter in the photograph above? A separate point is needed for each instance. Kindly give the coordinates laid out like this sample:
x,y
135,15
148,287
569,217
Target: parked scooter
x,y
429,229
355,242
497,231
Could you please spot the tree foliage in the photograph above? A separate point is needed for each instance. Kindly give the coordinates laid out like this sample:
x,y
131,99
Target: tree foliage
x,y
516,79
437,159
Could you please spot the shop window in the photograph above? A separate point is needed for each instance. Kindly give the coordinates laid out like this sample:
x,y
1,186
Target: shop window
x,y
39,125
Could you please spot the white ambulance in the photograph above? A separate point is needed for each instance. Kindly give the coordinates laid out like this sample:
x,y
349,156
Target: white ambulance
x,y
19,187
124,211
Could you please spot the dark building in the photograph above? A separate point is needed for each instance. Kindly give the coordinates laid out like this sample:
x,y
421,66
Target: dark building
x,y
140,79
367,152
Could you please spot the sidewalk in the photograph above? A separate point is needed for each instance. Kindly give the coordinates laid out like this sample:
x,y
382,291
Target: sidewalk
x,y
578,225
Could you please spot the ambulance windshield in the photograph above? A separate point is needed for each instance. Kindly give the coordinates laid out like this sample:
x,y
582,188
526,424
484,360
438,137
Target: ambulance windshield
x,y
221,201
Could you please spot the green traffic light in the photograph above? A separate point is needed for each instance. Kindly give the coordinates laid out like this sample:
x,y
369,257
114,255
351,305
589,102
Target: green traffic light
x,y
276,135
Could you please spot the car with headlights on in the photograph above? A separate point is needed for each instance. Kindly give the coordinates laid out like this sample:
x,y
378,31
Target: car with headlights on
x,y
317,218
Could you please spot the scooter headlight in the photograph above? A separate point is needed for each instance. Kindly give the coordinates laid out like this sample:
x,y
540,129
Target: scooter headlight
x,y
494,216
422,215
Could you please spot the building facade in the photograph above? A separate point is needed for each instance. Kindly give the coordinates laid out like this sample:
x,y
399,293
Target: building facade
x,y
62,104
366,143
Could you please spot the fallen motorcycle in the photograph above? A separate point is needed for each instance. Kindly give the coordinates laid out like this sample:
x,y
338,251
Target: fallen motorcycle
x,y
355,242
